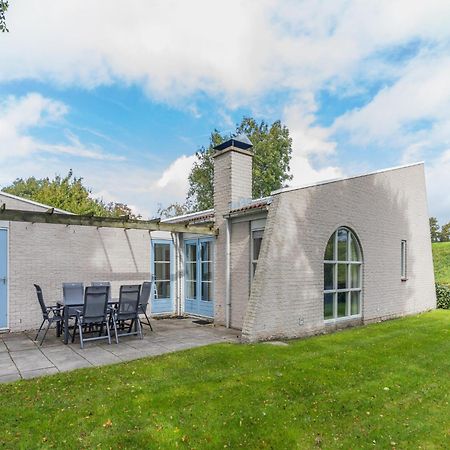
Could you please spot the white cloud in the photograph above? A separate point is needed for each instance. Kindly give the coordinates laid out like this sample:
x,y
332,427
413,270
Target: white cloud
x,y
20,116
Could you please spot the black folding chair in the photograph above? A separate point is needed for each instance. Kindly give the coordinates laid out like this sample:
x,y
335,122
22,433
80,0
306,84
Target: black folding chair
x,y
52,314
144,300
128,310
95,313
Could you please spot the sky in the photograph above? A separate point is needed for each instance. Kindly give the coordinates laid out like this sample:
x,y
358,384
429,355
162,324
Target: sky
x,y
124,93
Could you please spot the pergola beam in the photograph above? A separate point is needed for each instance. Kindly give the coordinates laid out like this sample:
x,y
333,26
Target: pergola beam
x,y
50,217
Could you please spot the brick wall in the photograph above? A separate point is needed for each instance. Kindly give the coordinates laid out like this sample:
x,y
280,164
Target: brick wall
x,y
286,299
49,255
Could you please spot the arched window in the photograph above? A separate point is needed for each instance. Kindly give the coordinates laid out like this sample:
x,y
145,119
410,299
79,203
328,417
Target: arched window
x,y
342,276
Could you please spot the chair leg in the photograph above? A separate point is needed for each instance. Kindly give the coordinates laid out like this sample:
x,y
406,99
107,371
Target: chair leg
x,y
115,329
74,330
139,327
148,321
40,328
80,329
107,330
45,334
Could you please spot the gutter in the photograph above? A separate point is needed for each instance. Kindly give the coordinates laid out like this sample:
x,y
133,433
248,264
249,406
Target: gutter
x,y
228,272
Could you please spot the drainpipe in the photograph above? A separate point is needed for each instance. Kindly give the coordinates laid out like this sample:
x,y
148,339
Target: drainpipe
x,y
228,272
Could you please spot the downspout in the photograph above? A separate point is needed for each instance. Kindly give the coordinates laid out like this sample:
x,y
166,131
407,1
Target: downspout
x,y
227,272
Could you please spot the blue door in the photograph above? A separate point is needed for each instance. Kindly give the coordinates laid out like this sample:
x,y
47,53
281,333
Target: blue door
x,y
162,268
3,278
198,298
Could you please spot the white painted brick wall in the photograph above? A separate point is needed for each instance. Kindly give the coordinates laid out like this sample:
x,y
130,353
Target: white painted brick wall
x,y
382,209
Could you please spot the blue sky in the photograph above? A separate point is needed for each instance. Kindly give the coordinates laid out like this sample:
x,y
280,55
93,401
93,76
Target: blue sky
x,y
125,96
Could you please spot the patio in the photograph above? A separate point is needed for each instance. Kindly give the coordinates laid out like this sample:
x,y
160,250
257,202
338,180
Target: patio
x,y
22,358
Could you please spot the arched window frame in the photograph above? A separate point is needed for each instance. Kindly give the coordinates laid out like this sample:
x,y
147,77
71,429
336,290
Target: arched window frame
x,y
348,269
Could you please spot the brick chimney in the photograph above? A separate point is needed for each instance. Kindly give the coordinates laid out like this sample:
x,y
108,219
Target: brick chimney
x,y
232,186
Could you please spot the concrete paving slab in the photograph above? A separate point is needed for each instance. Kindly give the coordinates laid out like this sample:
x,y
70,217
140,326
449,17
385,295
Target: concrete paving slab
x,y
7,366
27,360
98,356
3,347
39,372
64,358
11,377
16,344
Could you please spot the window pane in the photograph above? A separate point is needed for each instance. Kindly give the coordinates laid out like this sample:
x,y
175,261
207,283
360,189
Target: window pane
x,y
191,252
342,244
354,305
163,288
256,248
342,276
341,304
206,271
355,275
354,249
328,277
205,251
162,271
162,252
329,251
191,289
328,306
206,292
191,271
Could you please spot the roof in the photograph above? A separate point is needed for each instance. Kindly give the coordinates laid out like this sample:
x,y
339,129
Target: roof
x,y
206,215
335,180
241,141
258,203
32,202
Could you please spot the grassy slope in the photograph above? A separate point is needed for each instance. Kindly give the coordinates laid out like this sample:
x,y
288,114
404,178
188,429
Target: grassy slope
x,y
380,386
441,257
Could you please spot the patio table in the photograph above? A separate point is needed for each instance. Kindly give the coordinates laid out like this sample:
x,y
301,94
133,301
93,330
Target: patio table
x,y
66,314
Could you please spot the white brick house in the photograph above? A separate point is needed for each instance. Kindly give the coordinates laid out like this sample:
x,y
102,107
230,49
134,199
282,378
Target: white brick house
x,y
302,261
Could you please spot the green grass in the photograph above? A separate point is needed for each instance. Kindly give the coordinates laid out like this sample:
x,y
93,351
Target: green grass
x,y
441,257
380,386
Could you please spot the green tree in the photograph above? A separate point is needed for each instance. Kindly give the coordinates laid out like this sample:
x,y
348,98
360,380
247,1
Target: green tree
x,y
272,149
66,193
3,8
174,209
445,233
434,229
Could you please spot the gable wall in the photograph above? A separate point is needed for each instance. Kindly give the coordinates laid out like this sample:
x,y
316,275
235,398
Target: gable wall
x,y
286,299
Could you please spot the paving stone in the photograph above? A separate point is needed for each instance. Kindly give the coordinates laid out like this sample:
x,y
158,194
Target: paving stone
x,y
27,360
3,347
39,372
19,343
7,366
64,358
98,356
11,377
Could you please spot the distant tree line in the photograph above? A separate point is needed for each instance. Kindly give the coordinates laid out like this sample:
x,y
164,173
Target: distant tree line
x,y
439,233
67,193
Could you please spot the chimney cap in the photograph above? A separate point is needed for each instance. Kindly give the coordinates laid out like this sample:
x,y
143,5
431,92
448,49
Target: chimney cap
x,y
241,141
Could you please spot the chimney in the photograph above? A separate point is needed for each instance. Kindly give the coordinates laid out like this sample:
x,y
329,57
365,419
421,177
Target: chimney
x,y
232,186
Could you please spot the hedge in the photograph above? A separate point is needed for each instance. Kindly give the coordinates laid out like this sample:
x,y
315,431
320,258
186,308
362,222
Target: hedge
x,y
443,296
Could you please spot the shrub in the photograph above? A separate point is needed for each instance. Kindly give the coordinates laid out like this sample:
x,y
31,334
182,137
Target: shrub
x,y
443,296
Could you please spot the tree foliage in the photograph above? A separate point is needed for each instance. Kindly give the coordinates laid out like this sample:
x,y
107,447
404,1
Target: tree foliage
x,y
67,193
272,149
438,233
174,209
3,8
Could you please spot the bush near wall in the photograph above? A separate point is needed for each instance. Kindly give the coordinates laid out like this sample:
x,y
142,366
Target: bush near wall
x,y
443,296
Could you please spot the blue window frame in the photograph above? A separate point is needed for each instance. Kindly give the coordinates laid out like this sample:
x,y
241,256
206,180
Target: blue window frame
x,y
198,277
162,257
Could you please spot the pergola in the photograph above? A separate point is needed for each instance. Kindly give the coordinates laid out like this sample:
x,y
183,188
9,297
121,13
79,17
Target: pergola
x,y
52,217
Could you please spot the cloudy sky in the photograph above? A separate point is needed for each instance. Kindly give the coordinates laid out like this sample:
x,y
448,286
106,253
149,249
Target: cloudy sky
x,y
125,92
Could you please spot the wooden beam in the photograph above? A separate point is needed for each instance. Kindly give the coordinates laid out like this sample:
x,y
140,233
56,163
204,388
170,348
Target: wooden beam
x,y
16,215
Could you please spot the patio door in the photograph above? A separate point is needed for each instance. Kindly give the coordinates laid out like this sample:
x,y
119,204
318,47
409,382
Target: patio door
x,y
198,298
162,269
3,278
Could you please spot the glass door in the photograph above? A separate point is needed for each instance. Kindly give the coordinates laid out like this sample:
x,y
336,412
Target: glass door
x,y
198,277
162,263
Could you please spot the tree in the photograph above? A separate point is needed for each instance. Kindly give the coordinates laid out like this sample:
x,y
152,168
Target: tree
x,y
445,233
272,149
66,193
3,8
434,229
175,209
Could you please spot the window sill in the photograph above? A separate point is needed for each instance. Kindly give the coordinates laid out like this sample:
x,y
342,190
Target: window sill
x,y
342,319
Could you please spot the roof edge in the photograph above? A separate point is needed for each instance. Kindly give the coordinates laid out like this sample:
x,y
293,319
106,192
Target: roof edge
x,y
351,177
189,215
32,202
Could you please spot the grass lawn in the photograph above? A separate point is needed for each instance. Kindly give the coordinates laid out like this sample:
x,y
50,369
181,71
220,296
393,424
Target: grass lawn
x,y
380,386
441,257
